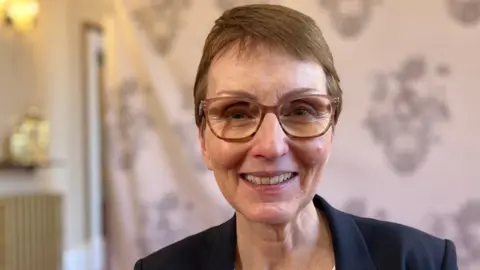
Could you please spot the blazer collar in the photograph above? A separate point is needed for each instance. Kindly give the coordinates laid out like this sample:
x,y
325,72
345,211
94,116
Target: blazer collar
x,y
223,249
351,251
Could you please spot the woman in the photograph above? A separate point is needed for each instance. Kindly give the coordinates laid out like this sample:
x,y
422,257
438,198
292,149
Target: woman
x,y
267,101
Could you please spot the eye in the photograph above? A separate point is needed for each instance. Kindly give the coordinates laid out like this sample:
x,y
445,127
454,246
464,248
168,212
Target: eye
x,y
233,110
237,115
301,112
238,112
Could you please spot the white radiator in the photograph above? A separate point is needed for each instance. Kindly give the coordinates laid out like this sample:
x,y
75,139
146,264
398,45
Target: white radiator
x,y
30,232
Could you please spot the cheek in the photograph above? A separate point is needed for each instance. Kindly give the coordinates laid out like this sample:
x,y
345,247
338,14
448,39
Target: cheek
x,y
223,155
314,153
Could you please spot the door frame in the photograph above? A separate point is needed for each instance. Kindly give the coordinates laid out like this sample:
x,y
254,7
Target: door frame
x,y
94,136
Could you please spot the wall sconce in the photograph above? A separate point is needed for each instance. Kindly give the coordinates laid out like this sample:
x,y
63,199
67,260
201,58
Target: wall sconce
x,y
21,15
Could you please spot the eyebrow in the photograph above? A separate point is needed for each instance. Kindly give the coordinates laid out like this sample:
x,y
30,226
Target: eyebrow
x,y
244,93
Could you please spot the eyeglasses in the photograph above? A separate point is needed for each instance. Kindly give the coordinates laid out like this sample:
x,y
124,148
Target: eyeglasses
x,y
236,119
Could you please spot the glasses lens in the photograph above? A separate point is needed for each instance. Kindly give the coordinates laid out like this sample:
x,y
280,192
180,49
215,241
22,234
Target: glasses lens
x,y
232,118
307,116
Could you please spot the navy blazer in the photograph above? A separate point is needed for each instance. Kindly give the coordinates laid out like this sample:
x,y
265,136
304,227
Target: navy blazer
x,y
359,244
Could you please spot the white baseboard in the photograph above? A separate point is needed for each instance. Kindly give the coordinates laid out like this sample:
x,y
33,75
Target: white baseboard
x,y
97,254
76,259
86,257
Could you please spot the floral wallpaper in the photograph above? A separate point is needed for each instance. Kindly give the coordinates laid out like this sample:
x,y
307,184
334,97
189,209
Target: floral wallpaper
x,y
407,143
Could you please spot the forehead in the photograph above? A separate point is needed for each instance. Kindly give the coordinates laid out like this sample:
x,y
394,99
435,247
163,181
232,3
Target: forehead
x,y
265,73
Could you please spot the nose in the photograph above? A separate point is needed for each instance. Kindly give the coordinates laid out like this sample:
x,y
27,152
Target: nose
x,y
270,141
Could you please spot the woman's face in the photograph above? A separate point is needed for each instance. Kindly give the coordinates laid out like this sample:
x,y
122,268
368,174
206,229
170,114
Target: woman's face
x,y
268,75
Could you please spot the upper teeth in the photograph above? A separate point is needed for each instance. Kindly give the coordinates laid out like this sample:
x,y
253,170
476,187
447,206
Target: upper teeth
x,y
272,180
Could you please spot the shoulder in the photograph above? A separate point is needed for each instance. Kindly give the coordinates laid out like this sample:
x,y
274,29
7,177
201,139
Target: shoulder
x,y
184,254
375,230
405,244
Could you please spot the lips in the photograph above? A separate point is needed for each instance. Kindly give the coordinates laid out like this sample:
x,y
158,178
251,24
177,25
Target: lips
x,y
273,179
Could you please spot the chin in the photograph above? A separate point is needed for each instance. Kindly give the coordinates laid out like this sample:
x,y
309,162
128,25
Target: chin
x,y
269,213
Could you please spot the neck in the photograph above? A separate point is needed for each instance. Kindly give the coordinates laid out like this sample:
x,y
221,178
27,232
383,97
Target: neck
x,y
293,245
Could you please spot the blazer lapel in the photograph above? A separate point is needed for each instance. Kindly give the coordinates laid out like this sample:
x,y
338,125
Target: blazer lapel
x,y
351,251
222,256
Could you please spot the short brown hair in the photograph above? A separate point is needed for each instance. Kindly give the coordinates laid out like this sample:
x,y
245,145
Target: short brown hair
x,y
275,26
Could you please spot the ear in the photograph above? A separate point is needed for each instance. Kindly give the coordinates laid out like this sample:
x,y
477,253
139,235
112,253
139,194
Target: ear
x,y
327,159
332,135
205,154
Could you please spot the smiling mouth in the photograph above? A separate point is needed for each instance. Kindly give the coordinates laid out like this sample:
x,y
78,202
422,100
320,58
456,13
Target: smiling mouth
x,y
268,180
